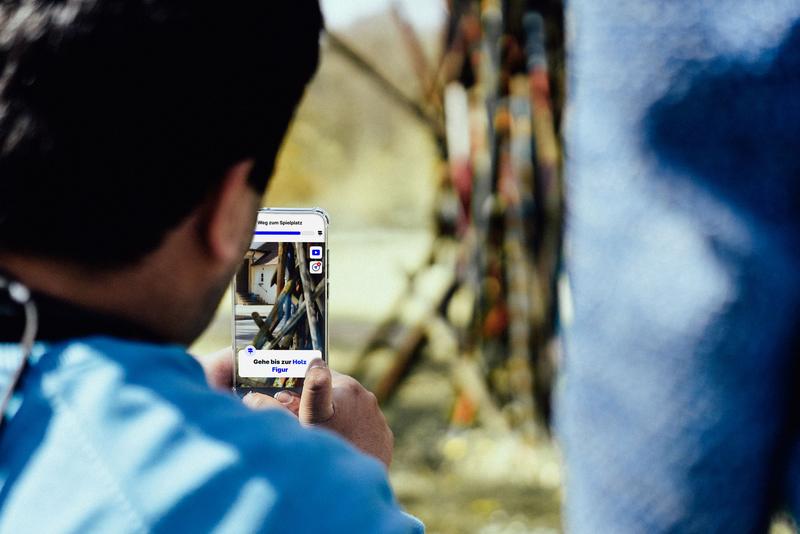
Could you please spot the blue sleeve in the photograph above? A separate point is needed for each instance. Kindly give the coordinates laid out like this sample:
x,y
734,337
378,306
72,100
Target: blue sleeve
x,y
181,457
674,409
285,475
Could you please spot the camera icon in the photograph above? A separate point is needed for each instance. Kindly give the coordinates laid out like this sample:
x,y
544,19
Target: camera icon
x,y
315,252
315,267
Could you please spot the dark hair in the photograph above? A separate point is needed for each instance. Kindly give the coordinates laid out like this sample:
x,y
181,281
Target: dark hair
x,y
119,117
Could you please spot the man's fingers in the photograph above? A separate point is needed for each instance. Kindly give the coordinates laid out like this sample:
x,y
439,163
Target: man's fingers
x,y
316,402
220,373
339,378
259,401
218,367
290,400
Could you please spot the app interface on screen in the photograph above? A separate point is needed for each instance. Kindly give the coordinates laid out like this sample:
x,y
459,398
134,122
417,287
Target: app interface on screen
x,y
280,301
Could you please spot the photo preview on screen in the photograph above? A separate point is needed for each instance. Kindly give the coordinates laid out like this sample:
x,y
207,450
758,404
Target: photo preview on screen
x,y
280,301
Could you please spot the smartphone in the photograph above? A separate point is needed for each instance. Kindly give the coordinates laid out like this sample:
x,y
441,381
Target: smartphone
x,y
280,301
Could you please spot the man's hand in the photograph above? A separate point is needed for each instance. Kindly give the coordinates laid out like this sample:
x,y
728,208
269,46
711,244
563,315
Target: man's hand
x,y
337,402
330,400
218,367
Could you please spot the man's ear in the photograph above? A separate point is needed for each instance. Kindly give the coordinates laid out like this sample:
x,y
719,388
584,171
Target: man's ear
x,y
230,215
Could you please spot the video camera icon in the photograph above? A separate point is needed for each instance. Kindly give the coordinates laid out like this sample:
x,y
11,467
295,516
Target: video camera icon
x,y
315,267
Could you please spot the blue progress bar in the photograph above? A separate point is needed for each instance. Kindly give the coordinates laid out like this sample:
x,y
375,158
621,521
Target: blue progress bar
x,y
288,232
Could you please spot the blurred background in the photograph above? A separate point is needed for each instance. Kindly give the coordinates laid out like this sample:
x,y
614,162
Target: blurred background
x,y
430,135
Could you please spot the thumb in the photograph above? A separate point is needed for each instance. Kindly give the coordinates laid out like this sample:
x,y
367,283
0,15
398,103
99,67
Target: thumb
x,y
316,401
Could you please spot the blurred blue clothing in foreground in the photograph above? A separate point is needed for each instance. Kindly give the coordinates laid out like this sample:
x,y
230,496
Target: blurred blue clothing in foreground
x,y
118,436
678,406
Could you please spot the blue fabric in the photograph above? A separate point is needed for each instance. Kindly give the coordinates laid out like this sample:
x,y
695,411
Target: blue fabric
x,y
116,436
677,407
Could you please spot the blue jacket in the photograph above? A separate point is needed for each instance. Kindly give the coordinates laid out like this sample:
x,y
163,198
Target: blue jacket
x,y
107,435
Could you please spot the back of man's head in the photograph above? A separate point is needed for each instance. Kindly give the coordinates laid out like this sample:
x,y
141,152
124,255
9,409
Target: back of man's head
x,y
119,117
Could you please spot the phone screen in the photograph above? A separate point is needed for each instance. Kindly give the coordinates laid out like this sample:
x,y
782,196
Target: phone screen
x,y
280,303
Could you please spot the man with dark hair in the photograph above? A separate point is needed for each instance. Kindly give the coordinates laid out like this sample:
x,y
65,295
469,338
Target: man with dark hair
x,y
136,137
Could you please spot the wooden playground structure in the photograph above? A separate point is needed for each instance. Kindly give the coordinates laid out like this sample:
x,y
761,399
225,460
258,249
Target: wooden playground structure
x,y
490,280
